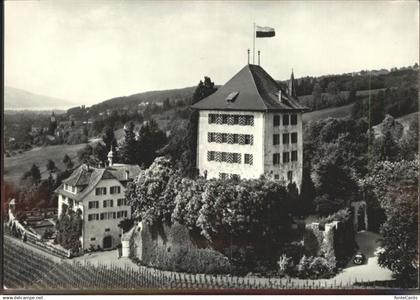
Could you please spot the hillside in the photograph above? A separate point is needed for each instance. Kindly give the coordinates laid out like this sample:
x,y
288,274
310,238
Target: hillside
x,y
18,99
334,112
16,166
151,97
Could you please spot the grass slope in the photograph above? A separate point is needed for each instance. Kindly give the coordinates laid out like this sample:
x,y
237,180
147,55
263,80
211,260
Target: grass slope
x,y
16,166
334,112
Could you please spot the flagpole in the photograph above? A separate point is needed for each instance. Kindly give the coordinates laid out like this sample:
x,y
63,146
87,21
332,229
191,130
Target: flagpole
x,y
253,46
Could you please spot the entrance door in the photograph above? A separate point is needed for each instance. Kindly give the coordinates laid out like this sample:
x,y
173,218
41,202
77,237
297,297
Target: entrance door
x,y
107,242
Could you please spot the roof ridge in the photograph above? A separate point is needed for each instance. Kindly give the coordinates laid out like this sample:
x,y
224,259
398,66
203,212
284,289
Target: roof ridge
x,y
79,174
255,85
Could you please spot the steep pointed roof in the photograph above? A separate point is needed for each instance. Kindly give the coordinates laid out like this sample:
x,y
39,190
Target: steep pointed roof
x,y
256,91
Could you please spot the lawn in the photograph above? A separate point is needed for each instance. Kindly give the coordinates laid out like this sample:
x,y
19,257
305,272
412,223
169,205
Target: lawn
x,y
16,166
334,112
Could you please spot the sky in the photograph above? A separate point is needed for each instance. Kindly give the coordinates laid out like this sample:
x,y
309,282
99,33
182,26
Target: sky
x,y
89,51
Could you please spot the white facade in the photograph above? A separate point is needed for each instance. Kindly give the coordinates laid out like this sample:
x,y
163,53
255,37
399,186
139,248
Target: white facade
x,y
218,137
101,213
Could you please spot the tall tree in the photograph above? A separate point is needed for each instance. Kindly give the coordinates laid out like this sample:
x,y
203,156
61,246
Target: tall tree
x,y
400,232
317,95
67,162
128,149
203,90
188,159
85,155
33,174
100,152
108,138
51,166
150,140
386,147
332,88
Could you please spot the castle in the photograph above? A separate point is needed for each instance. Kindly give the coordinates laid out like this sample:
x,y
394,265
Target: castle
x,y
249,127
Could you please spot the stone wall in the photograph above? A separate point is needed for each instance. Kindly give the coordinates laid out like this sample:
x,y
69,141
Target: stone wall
x,y
335,238
318,239
174,248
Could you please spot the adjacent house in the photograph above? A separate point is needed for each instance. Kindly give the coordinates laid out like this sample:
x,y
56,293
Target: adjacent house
x,y
249,127
99,195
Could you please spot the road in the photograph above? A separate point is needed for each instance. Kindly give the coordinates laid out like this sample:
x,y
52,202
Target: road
x,y
370,270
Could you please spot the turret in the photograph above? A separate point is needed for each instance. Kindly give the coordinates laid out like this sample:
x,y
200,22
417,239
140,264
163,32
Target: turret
x,y
292,87
110,157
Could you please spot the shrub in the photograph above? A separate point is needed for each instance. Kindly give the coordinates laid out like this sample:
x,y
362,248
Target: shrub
x,y
320,267
303,268
315,267
286,265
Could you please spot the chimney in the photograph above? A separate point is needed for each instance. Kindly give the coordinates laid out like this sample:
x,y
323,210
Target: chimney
x,y
259,52
126,174
280,96
248,56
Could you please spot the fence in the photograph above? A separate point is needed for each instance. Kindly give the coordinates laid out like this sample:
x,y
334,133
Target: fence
x,y
37,242
30,270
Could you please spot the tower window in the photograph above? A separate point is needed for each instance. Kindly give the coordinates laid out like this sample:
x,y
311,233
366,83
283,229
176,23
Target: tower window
x,y
293,119
224,119
249,139
235,139
276,158
285,138
285,120
249,120
248,159
224,137
294,155
294,137
235,120
276,120
210,155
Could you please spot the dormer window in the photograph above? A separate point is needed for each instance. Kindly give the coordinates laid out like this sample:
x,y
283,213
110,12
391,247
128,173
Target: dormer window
x,y
69,188
232,96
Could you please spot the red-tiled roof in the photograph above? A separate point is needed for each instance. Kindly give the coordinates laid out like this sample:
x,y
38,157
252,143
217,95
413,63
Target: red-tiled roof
x,y
258,91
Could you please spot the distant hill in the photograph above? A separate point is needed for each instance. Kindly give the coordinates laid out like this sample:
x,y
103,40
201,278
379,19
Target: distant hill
x,y
18,99
150,97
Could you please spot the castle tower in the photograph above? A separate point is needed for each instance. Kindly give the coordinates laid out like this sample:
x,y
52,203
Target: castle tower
x,y
251,127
